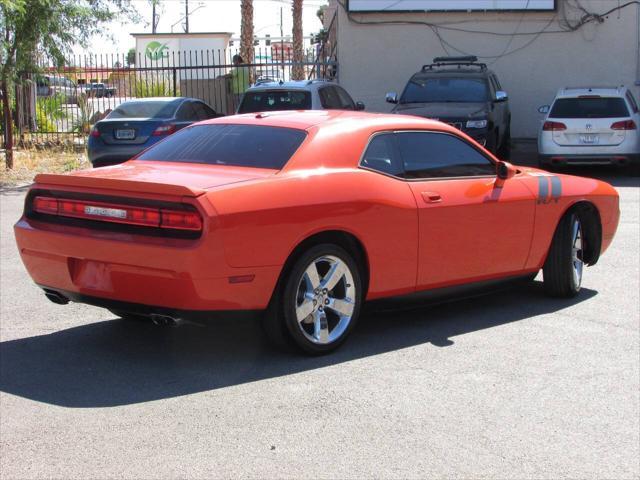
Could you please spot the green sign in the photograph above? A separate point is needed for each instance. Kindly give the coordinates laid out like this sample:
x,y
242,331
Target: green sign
x,y
156,50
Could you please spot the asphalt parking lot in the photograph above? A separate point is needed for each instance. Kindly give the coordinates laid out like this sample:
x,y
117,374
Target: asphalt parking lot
x,y
513,384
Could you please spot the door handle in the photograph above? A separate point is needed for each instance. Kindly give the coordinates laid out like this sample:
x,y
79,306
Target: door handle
x,y
431,197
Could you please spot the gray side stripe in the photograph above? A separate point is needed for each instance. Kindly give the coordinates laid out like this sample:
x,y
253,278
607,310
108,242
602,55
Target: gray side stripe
x,y
556,188
543,189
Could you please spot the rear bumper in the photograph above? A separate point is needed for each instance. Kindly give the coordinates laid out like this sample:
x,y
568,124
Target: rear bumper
x,y
150,310
172,274
581,159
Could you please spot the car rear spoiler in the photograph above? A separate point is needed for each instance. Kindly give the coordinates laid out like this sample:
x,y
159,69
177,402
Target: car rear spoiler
x,y
104,183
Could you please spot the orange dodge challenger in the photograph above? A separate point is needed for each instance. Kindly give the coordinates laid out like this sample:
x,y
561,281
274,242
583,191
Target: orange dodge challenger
x,y
305,216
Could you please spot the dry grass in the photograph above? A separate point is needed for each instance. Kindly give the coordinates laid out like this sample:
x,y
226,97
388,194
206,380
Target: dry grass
x,y
28,163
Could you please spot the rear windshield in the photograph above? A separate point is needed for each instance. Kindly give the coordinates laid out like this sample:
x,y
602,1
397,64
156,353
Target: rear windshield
x,y
436,90
157,109
237,145
264,101
599,107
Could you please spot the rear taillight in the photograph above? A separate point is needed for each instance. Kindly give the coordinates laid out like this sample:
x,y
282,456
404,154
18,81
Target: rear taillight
x,y
624,125
117,213
164,130
553,126
95,132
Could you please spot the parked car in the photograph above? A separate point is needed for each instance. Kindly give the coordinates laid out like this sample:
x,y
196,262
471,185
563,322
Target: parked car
x,y
463,93
52,85
99,90
297,95
590,126
137,124
306,215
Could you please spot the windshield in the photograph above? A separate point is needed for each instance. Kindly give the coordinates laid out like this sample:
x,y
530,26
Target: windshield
x,y
159,109
223,144
264,101
594,107
445,90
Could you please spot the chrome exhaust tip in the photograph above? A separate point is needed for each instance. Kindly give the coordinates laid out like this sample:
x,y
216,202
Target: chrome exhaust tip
x,y
56,297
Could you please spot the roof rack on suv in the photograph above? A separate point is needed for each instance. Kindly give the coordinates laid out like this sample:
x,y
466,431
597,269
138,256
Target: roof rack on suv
x,y
467,61
316,80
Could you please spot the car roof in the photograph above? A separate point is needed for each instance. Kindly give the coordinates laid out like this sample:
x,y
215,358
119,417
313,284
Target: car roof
x,y
572,92
452,72
306,119
306,85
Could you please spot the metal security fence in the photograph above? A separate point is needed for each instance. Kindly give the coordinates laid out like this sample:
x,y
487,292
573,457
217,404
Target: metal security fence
x,y
58,105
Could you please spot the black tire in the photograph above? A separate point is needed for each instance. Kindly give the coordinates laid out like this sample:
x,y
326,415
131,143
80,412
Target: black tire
x,y
130,317
280,321
560,278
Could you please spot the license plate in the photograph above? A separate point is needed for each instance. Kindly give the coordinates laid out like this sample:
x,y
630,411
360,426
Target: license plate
x,y
589,139
128,134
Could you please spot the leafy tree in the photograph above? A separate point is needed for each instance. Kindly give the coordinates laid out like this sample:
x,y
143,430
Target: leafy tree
x,y
37,29
131,57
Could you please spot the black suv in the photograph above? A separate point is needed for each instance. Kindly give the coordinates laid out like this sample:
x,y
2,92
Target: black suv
x,y
463,93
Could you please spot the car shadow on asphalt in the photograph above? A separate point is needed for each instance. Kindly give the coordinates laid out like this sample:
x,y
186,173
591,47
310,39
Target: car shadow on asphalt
x,y
114,362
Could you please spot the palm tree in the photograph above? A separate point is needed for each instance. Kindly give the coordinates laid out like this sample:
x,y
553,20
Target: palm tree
x,y
246,30
297,73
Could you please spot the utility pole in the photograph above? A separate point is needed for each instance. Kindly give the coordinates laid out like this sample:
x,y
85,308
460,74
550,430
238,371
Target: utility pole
x,y
186,16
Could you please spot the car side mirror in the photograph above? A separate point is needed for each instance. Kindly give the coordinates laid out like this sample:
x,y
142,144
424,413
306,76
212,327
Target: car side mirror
x,y
505,171
359,106
544,109
501,96
391,97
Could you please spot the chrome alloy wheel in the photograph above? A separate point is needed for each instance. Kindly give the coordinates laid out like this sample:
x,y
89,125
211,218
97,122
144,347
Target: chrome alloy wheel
x,y
326,299
576,251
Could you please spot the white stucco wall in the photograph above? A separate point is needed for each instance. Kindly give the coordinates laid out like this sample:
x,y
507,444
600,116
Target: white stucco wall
x,y
374,59
186,50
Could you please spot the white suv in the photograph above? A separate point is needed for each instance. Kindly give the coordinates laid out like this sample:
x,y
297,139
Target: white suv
x,y
590,126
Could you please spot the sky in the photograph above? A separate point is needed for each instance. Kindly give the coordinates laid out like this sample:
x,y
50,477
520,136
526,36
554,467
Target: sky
x,y
210,16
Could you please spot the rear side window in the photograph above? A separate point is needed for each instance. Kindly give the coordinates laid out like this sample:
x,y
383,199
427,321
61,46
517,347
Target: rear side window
x,y
144,110
187,112
380,155
429,155
265,101
329,98
589,107
346,102
237,145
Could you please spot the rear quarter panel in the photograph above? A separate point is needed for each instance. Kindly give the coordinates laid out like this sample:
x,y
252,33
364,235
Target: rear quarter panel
x,y
262,222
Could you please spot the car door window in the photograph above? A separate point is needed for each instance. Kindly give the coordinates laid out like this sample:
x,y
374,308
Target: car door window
x,y
380,155
187,113
346,102
437,155
329,98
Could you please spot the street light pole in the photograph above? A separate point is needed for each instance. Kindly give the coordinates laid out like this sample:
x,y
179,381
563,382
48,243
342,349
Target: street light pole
x,y
186,16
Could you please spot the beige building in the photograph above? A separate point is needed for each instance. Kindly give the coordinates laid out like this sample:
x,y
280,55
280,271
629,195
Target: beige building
x,y
534,53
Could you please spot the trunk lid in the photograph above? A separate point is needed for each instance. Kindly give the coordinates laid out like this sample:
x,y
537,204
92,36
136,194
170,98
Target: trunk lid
x,y
587,132
162,178
128,131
